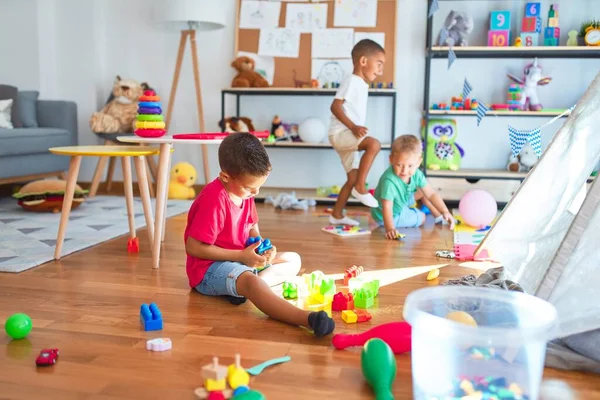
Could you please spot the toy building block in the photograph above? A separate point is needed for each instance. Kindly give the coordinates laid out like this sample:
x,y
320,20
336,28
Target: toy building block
x,y
349,316
529,39
363,298
529,24
362,283
133,245
352,272
342,302
313,279
498,38
323,292
362,315
265,244
236,375
500,20
533,10
151,317
553,22
290,290
214,376
159,344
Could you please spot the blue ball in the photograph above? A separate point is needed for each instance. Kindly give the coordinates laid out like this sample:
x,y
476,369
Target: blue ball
x,y
240,389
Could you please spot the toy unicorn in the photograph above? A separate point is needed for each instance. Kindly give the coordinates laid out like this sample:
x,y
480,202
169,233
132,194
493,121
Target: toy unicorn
x,y
531,80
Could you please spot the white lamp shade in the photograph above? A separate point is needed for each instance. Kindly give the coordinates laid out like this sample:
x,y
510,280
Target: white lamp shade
x,y
204,14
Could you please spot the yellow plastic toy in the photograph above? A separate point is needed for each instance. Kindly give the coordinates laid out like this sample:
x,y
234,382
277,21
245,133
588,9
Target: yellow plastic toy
x,y
214,375
236,375
183,177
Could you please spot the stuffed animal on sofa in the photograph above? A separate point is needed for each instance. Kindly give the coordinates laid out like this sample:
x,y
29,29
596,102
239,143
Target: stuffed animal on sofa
x,y
236,124
247,76
119,114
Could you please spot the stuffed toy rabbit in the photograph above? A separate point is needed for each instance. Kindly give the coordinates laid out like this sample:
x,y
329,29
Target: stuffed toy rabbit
x,y
458,26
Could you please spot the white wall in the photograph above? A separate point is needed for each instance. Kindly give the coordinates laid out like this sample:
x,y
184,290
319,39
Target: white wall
x,y
79,47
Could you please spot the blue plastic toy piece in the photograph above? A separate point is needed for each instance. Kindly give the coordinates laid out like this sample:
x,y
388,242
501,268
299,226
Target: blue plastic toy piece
x,y
425,210
150,317
265,244
240,389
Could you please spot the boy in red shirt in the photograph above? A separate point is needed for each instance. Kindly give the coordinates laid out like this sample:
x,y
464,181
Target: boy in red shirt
x,y
221,220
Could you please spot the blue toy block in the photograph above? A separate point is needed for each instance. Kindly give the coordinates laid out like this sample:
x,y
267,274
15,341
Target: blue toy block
x,y
500,21
533,10
150,317
549,33
265,244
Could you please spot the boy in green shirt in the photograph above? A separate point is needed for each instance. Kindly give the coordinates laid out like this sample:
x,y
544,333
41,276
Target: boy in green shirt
x,y
403,183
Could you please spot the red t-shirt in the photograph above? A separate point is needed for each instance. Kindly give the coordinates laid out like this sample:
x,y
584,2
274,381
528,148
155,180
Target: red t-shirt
x,y
215,219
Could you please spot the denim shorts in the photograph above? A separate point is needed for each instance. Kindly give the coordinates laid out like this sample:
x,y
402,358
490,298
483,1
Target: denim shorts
x,y
221,277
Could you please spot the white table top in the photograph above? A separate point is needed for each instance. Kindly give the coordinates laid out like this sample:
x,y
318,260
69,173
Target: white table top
x,y
166,139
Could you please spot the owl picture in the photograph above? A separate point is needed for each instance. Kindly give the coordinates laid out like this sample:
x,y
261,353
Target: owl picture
x,y
442,151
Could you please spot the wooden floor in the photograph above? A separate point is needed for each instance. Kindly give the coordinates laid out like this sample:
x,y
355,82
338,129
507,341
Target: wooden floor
x,y
87,305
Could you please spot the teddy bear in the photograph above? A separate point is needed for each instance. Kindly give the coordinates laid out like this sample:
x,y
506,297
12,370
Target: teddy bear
x,y
458,27
524,161
119,114
247,76
236,124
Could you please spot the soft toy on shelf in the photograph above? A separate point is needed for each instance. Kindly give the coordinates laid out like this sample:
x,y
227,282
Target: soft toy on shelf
x,y
524,161
443,152
118,115
458,27
236,124
246,75
532,78
183,177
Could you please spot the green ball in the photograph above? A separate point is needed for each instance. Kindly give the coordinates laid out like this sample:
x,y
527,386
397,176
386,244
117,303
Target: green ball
x,y
18,326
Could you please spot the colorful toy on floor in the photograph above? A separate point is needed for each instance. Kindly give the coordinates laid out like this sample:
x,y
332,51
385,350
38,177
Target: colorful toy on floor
x,y
133,245
47,357
486,388
532,78
354,316
18,326
396,334
433,274
46,195
345,231
443,153
342,302
151,317
257,369
552,32
364,298
352,272
214,376
181,182
149,120
236,375
499,33
378,366
290,290
159,344
265,244
361,282
250,395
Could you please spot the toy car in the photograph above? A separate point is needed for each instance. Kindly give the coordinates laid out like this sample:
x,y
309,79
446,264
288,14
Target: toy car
x,y
445,254
47,357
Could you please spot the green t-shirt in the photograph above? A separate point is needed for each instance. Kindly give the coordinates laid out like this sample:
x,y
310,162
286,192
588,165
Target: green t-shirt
x,y
391,187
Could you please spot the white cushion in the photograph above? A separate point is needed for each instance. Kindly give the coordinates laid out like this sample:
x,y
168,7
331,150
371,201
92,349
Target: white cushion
x,y
5,109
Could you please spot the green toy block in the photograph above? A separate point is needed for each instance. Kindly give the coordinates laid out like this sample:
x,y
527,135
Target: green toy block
x,y
290,290
372,286
363,298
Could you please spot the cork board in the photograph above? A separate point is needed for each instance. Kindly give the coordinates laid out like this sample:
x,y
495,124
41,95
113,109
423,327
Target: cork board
x,y
247,40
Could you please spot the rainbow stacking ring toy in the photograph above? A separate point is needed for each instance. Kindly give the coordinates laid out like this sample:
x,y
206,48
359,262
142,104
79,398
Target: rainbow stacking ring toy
x,y
149,120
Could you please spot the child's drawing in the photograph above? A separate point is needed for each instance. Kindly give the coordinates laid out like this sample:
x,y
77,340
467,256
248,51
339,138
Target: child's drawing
x,y
259,14
306,17
279,42
329,72
357,13
332,43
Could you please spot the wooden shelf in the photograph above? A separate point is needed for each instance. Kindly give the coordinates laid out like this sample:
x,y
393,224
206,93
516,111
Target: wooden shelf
x,y
303,145
477,174
518,52
282,91
501,113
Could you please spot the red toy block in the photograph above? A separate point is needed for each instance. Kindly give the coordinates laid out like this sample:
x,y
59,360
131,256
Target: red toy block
x,y
342,302
363,315
352,272
133,245
529,24
498,38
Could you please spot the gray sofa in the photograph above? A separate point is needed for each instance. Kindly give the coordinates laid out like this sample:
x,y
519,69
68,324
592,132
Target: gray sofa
x,y
38,125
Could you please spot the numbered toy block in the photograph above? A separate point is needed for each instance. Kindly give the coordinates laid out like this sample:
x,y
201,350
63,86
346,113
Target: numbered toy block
x,y
151,317
530,39
498,38
264,244
530,24
553,22
533,10
550,42
342,302
500,20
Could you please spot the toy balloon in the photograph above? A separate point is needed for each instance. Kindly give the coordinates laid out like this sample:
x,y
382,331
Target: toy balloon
x,y
478,208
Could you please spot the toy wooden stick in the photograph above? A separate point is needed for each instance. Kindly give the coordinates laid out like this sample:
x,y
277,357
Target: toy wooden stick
x,y
379,367
396,334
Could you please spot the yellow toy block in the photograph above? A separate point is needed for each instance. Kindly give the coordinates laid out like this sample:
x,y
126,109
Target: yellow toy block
x,y
349,316
236,375
552,22
212,385
214,375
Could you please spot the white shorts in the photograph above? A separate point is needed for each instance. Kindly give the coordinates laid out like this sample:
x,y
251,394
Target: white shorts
x,y
346,145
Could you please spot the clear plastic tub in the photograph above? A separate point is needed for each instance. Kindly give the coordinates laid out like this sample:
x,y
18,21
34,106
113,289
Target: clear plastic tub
x,y
504,353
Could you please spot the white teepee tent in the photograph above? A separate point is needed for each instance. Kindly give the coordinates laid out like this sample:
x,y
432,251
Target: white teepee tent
x,y
547,235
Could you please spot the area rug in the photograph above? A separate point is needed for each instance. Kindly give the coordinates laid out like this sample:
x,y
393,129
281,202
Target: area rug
x,y
28,239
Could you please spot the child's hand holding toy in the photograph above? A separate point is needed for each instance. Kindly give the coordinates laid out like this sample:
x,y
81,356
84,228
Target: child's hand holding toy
x,y
270,254
250,258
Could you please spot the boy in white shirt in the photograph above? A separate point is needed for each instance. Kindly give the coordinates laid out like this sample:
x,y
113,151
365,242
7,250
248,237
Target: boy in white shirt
x,y
347,133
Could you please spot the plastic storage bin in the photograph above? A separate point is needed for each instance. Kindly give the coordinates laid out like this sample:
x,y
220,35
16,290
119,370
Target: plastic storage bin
x,y
502,357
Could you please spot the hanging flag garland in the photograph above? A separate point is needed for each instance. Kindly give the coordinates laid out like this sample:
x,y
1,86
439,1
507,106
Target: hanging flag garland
x,y
451,57
482,110
518,138
467,88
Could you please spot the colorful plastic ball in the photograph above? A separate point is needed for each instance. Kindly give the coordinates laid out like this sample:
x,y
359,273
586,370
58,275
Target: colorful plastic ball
x,y
18,326
240,389
478,208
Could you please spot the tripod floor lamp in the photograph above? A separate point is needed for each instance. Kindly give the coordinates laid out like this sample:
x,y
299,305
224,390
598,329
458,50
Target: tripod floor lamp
x,y
190,16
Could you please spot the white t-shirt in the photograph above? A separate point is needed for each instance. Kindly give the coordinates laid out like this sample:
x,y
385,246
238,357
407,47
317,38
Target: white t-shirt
x,y
354,91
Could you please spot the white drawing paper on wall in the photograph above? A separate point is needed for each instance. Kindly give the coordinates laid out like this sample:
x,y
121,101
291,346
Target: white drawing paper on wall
x,y
279,42
259,14
377,37
306,17
357,13
332,43
262,64
329,71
